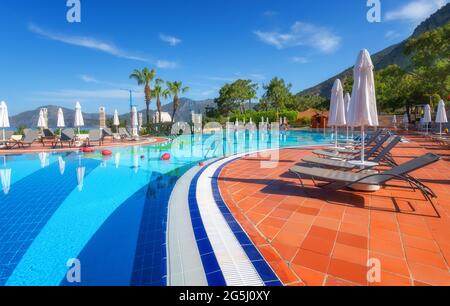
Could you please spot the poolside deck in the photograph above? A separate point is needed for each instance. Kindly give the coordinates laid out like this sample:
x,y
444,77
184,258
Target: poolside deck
x,y
312,237
37,147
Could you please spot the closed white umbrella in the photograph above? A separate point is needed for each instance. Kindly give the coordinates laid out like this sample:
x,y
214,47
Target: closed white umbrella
x,y
347,100
363,106
4,119
116,120
79,122
141,121
60,122
427,116
41,120
134,122
337,108
441,116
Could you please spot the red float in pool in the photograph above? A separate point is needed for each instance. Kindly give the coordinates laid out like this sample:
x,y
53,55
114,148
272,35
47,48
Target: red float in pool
x,y
166,156
106,153
88,150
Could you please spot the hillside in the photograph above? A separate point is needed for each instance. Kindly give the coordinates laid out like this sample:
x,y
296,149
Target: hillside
x,y
389,56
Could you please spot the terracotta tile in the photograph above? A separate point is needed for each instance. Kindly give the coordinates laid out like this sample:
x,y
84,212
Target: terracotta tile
x,y
430,275
335,282
386,247
317,245
392,264
390,279
331,224
286,251
323,233
311,260
425,258
352,240
420,243
308,276
356,229
273,222
269,232
308,211
350,254
348,271
284,273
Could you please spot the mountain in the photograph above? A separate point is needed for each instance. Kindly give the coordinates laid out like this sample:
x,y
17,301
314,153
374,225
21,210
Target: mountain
x,y
389,56
184,111
30,118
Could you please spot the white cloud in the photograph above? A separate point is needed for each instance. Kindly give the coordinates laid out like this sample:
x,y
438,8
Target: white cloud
x,y
166,64
416,10
392,35
302,34
171,40
299,60
86,42
88,79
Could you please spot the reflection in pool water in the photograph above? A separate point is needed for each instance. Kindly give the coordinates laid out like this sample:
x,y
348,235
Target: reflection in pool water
x,y
110,213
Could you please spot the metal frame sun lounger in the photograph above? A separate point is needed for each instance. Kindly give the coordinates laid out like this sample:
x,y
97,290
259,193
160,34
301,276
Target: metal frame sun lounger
x,y
369,154
95,136
341,179
345,165
369,141
31,136
124,135
67,136
8,139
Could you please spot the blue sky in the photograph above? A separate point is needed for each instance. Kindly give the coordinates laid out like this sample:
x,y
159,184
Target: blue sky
x,y
204,43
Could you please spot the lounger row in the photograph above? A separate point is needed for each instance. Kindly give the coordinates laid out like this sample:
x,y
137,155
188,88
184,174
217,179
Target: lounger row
x,y
66,137
337,171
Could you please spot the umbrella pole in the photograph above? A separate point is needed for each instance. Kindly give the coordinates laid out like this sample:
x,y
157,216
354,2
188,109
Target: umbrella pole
x,y
4,136
363,140
336,140
440,129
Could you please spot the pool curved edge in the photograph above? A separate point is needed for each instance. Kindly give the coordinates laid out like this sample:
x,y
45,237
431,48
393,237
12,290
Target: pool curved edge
x,y
198,178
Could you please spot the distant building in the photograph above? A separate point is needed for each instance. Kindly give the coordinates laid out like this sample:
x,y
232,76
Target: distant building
x,y
165,118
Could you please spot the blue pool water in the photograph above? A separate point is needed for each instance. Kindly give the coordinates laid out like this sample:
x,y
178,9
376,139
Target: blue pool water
x,y
110,214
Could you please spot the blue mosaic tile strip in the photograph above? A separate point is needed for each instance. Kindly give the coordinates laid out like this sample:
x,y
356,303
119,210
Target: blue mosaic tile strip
x,y
262,267
27,208
214,274
150,264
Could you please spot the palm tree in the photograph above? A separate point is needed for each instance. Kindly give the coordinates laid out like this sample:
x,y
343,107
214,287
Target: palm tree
x,y
145,77
159,92
175,89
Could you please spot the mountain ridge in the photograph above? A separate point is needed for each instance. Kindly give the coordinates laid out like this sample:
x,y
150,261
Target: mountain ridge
x,y
391,55
30,118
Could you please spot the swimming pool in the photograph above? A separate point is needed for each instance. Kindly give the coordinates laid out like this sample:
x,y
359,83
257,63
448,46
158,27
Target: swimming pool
x,y
108,213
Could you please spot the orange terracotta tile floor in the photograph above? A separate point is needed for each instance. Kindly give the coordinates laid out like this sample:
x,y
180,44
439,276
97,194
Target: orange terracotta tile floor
x,y
314,237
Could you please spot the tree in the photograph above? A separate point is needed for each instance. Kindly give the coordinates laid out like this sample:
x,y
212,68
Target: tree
x,y
431,62
278,94
174,90
157,93
145,77
233,96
